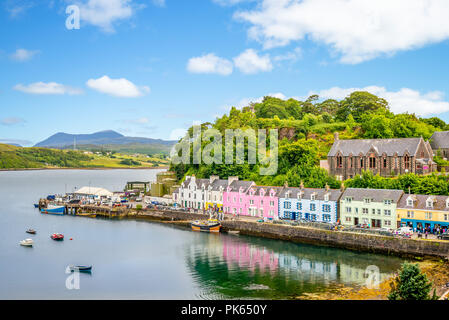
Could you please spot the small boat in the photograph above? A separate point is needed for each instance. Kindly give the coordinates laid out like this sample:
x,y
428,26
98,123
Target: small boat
x,y
57,236
27,243
36,205
31,231
51,209
80,268
233,232
210,225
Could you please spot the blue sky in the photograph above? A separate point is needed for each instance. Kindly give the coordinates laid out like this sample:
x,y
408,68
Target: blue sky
x,y
151,67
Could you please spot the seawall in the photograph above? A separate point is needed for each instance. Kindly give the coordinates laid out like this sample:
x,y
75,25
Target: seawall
x,y
340,239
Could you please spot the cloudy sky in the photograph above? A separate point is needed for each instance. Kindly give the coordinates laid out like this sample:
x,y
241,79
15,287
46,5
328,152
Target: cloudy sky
x,y
153,67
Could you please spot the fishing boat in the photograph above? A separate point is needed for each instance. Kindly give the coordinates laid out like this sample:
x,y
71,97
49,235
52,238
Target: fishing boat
x,y
27,243
31,231
80,268
211,225
51,209
57,236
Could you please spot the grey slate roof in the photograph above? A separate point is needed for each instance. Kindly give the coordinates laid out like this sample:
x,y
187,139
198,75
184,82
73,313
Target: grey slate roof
x,y
334,194
420,202
235,185
440,140
219,183
377,195
388,146
267,188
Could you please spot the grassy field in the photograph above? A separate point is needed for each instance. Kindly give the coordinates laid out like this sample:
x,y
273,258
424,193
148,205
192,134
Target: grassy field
x,y
12,157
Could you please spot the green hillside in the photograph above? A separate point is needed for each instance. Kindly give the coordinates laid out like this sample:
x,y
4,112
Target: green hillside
x,y
306,130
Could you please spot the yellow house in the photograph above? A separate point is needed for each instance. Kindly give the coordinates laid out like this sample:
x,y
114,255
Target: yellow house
x,y
421,211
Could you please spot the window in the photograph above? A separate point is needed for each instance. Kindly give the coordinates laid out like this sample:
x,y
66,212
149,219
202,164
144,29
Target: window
x,y
348,209
348,219
387,212
387,223
326,208
385,162
361,162
446,217
387,202
339,161
373,211
372,162
379,211
287,205
312,207
240,210
348,200
240,200
326,217
299,206
251,202
271,213
428,215
272,203
407,162
365,210
367,200
410,214
326,197
356,211
410,202
350,162
429,203
313,197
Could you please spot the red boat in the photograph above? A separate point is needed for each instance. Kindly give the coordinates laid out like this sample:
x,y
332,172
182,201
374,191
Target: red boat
x,y
57,236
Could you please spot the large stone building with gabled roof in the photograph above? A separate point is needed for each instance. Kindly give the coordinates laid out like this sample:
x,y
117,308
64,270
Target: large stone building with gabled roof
x,y
440,142
386,157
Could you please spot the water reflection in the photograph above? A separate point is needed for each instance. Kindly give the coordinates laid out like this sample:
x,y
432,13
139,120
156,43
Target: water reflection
x,y
239,267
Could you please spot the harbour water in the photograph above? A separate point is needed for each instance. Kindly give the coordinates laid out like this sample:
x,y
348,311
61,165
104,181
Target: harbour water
x,y
143,260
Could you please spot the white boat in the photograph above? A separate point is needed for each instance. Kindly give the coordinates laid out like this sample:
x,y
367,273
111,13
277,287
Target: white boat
x,y
27,243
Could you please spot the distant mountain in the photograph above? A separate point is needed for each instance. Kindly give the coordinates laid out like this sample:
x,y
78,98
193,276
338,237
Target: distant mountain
x,y
108,138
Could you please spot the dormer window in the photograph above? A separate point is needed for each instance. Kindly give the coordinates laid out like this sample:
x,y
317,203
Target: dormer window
x,y
387,202
313,197
287,195
367,200
348,200
326,197
410,202
447,203
429,203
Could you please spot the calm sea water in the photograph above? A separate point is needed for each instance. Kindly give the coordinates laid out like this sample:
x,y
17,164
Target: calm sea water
x,y
143,260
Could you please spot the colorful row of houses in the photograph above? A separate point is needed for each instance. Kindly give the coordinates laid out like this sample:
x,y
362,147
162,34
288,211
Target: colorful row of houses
x,y
375,208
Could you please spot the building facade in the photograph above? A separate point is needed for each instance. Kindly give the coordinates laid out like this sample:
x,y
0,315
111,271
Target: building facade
x,y
373,208
309,204
386,157
440,143
235,197
263,202
423,211
214,193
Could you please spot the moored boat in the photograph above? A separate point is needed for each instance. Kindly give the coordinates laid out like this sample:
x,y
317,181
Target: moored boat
x,y
206,226
57,236
36,205
27,243
31,231
52,209
80,268
86,214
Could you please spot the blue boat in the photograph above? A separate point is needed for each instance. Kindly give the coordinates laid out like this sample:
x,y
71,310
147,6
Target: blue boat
x,y
36,205
51,209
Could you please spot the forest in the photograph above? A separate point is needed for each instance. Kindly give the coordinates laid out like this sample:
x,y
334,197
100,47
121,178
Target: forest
x,y
307,133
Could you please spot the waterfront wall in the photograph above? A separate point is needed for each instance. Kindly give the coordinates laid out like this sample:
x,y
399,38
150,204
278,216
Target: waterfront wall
x,y
347,240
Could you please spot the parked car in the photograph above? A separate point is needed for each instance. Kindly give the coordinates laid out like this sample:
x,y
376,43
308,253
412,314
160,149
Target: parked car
x,y
444,236
405,230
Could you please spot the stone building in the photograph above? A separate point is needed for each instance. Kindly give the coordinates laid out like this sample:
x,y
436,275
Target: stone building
x,y
386,157
440,141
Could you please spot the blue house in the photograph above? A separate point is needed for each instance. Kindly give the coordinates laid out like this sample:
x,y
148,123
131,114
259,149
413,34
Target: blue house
x,y
309,204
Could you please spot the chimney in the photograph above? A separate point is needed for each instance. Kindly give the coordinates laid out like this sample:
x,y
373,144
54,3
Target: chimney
x,y
336,136
286,184
342,188
213,178
302,185
327,187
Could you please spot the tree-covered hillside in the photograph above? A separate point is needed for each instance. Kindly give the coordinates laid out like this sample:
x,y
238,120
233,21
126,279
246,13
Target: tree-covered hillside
x,y
306,133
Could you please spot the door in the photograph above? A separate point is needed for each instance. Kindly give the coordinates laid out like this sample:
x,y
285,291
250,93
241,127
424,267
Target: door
x,y
356,221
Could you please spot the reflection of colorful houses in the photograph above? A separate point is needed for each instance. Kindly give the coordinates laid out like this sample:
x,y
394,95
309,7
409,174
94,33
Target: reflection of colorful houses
x,y
305,267
421,211
351,274
249,256
309,204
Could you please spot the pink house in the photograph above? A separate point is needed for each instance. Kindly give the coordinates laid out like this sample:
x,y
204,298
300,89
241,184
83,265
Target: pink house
x,y
263,202
235,197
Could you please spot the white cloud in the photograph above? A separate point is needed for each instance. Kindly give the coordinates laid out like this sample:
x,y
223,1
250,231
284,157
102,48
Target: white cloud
x,y
177,134
210,63
47,88
23,54
104,13
226,3
358,30
11,121
159,3
117,87
250,62
404,100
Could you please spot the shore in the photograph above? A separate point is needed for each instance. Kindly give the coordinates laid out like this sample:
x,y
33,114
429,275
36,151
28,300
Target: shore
x,y
87,168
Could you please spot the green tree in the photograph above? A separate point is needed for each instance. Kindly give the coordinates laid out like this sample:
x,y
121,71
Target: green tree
x,y
411,284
